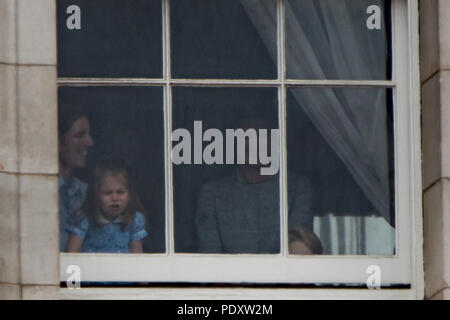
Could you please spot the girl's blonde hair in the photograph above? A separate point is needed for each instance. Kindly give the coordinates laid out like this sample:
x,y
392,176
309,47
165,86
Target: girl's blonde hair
x,y
91,207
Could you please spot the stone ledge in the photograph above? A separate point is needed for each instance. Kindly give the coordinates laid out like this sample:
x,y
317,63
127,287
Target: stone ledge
x,y
39,229
10,291
437,237
40,292
9,229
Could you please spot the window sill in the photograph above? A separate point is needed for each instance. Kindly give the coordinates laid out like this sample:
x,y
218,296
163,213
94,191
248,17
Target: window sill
x,y
236,293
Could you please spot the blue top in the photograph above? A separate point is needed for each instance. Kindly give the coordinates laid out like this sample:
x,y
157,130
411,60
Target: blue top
x,y
71,198
109,237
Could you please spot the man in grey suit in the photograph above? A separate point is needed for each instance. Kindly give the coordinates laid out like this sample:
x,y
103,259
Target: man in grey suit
x,y
240,213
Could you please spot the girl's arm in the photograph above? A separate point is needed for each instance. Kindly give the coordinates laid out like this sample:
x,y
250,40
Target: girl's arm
x,y
136,246
74,244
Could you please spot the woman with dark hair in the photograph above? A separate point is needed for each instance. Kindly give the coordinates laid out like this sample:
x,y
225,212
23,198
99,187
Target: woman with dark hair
x,y
74,142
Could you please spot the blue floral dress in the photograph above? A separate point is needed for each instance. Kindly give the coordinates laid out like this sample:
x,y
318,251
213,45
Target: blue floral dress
x,y
109,238
71,198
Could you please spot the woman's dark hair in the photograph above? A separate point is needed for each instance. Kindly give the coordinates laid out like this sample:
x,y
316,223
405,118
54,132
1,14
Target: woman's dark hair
x,y
109,165
68,113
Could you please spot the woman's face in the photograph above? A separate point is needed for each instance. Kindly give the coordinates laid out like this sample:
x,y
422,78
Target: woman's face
x,y
75,143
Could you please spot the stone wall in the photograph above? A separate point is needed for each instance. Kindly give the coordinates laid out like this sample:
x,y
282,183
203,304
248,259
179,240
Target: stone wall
x,y
29,258
435,85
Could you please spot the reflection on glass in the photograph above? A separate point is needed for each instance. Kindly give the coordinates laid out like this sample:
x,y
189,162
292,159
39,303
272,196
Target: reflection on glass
x,y
227,205
330,39
111,181
221,39
105,38
341,139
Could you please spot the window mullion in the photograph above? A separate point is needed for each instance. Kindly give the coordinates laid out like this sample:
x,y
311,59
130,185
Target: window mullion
x,y
166,40
170,239
282,124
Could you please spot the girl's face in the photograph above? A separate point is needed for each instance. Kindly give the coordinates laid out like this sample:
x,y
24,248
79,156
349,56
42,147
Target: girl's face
x,y
113,195
75,143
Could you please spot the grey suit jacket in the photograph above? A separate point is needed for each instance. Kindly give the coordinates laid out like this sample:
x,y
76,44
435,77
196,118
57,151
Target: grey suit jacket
x,y
234,217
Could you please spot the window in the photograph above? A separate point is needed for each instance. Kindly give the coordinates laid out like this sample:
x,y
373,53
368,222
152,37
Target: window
x,y
324,88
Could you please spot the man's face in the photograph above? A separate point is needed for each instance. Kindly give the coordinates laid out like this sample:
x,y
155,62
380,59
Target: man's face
x,y
75,143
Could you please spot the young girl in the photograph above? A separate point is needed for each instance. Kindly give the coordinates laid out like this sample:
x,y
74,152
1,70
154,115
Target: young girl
x,y
111,219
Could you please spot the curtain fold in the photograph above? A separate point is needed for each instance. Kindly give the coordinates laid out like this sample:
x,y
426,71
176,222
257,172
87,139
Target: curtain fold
x,y
329,40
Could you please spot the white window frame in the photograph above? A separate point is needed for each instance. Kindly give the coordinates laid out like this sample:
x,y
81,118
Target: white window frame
x,y
406,267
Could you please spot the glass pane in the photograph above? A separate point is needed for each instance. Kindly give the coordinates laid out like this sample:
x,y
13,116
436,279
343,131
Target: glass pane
x,y
221,39
115,38
341,142
111,154
330,39
226,183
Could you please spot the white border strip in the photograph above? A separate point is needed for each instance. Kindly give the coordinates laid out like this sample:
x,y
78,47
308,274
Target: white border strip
x,y
222,82
169,228
234,294
283,135
196,268
417,262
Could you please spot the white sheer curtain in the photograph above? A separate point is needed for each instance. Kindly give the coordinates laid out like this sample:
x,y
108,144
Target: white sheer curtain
x,y
329,39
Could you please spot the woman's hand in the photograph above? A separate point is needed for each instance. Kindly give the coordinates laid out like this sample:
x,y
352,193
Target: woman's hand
x,y
299,247
136,247
74,244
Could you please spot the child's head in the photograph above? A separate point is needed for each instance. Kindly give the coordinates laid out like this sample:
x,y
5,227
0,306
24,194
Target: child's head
x,y
111,194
